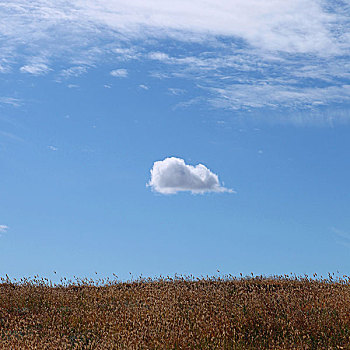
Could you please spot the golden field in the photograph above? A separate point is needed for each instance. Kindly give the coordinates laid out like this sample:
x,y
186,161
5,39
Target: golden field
x,y
281,312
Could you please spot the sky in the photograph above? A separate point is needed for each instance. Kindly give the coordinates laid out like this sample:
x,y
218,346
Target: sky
x,y
174,137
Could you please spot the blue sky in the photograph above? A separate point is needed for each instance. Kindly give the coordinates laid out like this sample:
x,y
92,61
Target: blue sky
x,y
173,137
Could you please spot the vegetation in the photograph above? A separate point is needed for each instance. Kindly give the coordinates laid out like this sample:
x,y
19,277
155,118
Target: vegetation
x,y
281,312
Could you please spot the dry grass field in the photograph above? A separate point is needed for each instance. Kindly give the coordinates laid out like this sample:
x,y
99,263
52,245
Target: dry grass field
x,y
280,312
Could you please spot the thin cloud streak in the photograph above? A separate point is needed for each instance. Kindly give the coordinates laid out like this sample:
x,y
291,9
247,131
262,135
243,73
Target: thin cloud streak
x,y
342,237
119,73
15,102
3,228
35,69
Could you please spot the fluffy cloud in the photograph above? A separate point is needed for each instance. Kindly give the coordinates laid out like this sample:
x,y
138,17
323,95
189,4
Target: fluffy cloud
x,y
3,228
173,175
119,73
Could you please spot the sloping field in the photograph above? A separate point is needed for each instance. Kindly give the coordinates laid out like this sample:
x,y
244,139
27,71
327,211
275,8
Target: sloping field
x,y
183,313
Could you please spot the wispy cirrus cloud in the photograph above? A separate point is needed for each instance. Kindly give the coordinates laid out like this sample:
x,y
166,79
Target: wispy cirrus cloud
x,y
176,91
119,73
341,236
35,69
75,71
262,94
240,54
11,136
3,228
15,102
270,25
246,81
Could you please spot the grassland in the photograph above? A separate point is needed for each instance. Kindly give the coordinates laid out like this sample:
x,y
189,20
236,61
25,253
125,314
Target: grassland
x,y
281,312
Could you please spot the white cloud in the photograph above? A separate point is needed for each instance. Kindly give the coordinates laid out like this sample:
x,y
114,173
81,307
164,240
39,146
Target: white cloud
x,y
10,101
52,148
125,54
3,228
173,175
35,69
255,95
119,73
159,56
75,71
176,91
298,48
292,26
272,24
144,87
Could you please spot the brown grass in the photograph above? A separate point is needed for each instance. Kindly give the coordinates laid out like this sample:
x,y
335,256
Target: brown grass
x,y
181,313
